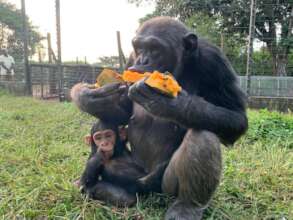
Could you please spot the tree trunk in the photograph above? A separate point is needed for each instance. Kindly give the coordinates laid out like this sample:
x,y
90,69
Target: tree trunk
x,y
281,64
273,51
2,35
282,58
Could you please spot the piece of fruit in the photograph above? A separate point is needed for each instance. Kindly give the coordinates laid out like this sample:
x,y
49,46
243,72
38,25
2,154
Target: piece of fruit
x,y
132,77
107,76
164,83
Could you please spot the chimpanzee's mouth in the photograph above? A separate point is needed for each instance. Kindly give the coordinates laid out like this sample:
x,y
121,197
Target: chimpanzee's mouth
x,y
141,69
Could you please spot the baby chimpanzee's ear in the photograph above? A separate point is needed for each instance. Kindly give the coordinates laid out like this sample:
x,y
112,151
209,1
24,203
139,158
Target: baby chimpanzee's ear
x,y
88,139
123,133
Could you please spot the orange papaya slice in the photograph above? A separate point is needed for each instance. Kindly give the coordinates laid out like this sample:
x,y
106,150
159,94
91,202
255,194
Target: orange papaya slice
x,y
164,83
132,77
107,76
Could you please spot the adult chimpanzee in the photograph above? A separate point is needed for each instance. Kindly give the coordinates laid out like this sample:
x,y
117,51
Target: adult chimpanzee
x,y
187,129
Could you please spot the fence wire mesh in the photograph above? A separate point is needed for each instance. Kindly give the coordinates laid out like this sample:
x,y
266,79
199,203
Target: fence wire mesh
x,y
226,24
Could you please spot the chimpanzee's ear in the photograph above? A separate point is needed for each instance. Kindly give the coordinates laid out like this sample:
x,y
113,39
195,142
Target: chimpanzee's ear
x,y
123,133
190,42
88,139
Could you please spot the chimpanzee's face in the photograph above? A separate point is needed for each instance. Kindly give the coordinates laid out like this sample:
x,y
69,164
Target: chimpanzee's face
x,y
152,53
162,45
105,141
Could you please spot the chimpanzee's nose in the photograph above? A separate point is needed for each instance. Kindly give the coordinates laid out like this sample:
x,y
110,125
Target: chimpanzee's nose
x,y
144,60
103,144
135,69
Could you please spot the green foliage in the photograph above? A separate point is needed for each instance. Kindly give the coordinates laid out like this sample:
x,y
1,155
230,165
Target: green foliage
x,y
232,20
42,152
262,62
210,28
11,31
206,27
270,127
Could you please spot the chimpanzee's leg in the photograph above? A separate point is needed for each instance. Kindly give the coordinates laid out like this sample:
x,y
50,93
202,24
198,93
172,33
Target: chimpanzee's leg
x,y
113,194
153,181
119,183
193,175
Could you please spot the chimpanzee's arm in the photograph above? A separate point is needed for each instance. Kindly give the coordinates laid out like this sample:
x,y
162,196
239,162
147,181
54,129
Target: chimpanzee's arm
x,y
200,114
90,175
227,118
108,103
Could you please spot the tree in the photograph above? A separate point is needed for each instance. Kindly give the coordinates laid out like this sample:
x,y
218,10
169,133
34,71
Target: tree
x,y
274,21
11,31
210,28
108,61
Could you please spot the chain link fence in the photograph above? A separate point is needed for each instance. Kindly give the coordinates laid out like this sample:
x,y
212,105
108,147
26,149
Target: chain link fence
x,y
45,78
257,40
269,86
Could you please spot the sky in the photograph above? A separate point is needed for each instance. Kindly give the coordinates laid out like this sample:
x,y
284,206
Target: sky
x,y
88,27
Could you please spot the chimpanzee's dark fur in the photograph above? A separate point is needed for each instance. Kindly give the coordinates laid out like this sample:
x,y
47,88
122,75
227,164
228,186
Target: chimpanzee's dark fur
x,y
186,130
120,171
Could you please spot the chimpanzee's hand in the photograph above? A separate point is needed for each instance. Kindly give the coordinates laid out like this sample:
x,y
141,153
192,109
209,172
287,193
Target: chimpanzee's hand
x,y
109,102
156,103
92,171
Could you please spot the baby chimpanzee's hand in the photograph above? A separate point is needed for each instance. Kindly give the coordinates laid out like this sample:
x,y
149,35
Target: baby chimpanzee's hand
x,y
91,173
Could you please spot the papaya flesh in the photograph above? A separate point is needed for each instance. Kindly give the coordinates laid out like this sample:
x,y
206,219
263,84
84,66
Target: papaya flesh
x,y
164,83
132,77
107,76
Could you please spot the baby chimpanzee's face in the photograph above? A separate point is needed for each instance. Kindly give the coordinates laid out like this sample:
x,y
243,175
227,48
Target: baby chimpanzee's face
x,y
105,141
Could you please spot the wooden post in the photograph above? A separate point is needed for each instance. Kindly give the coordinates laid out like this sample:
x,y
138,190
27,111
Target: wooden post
x,y
122,60
25,50
42,73
249,68
49,47
93,74
59,60
52,74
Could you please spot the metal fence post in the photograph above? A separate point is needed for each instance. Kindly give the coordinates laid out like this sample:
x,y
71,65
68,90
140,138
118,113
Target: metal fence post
x,y
249,66
59,60
25,50
278,87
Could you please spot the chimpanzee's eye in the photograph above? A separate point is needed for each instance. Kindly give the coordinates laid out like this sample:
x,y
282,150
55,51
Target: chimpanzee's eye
x,y
155,52
97,138
108,135
138,51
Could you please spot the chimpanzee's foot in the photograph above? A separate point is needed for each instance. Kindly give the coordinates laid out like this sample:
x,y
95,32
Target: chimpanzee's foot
x,y
76,183
183,211
112,194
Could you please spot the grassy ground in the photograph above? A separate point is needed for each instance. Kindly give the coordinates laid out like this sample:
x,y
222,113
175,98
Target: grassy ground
x,y
41,153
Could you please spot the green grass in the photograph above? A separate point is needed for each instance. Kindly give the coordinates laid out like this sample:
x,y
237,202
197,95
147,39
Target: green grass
x,y
42,152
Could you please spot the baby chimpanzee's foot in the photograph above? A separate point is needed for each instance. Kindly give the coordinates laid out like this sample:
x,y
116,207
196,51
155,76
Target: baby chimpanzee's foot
x,y
112,194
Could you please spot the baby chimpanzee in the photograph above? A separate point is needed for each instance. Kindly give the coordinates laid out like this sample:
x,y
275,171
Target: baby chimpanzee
x,y
111,174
